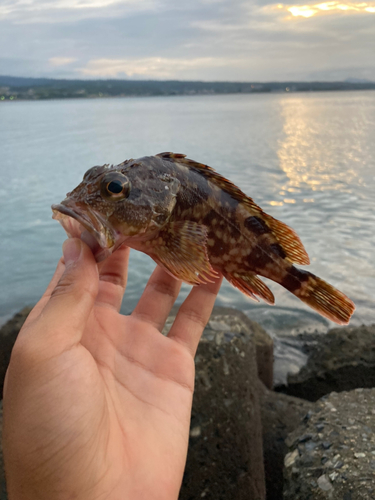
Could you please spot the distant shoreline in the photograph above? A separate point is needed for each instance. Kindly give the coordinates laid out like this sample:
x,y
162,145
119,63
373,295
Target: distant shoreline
x,y
33,89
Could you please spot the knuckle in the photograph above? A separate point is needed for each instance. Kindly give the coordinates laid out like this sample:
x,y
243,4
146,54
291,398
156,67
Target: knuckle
x,y
64,286
67,285
195,317
114,278
164,288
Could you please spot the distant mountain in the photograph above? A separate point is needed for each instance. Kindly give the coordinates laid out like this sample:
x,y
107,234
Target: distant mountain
x,y
357,80
15,81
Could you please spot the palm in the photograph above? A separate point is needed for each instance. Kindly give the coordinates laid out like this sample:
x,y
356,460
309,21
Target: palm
x,y
131,402
123,392
146,383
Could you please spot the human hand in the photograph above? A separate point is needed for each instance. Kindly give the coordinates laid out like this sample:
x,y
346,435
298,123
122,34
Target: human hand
x,y
96,404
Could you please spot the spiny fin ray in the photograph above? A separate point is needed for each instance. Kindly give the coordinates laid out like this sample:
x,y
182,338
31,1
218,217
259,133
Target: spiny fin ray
x,y
289,240
323,297
252,286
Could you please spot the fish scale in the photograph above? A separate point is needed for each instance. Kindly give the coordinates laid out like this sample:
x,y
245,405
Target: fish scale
x,y
196,224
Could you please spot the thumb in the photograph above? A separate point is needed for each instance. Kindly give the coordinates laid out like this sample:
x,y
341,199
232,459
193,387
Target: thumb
x,y
66,313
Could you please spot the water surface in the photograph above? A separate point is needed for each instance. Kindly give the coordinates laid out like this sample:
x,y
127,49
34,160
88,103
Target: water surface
x,y
307,159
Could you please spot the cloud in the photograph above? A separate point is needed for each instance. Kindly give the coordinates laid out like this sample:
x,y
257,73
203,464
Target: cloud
x,y
200,39
57,11
61,61
151,67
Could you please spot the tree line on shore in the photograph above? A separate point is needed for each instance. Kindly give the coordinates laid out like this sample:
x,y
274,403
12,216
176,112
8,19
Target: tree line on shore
x,y
14,88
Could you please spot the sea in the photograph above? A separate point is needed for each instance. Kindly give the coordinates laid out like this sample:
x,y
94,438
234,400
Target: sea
x,y
305,158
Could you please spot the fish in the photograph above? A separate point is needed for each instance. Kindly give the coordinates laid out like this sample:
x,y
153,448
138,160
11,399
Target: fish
x,y
196,225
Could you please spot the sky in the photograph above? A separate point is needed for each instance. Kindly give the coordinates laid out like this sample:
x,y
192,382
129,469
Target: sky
x,y
231,40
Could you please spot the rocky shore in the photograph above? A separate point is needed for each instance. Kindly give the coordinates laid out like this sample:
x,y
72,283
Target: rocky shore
x,y
312,438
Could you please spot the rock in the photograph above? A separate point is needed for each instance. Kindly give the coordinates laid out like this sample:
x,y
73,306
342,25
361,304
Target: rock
x,y
225,457
339,465
290,458
3,493
324,483
281,414
264,349
341,360
228,320
8,335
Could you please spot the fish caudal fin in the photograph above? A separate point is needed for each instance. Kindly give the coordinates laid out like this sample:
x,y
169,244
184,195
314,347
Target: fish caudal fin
x,y
319,295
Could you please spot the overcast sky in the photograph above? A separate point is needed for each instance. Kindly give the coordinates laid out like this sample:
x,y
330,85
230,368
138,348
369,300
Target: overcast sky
x,y
252,40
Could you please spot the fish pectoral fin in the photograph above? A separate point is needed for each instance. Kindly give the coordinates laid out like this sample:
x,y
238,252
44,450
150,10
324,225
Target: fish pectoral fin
x,y
181,249
252,286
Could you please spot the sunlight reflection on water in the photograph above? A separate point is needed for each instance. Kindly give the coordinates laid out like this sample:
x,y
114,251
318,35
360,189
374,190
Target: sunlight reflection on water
x,y
321,157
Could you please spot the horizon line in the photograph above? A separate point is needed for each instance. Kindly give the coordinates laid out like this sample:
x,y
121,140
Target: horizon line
x,y
347,80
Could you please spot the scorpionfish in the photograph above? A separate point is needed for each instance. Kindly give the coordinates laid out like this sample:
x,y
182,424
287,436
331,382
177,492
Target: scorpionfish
x,y
196,225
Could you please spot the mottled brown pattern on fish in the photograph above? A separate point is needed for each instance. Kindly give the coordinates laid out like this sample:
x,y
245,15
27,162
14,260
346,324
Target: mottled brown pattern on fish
x,y
238,241
195,223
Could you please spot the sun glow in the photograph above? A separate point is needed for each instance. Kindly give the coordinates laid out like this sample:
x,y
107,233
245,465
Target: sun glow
x,y
327,7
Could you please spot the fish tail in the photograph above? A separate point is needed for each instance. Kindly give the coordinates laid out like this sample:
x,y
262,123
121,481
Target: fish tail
x,y
319,295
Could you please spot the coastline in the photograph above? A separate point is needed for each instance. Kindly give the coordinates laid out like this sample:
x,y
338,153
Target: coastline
x,y
34,89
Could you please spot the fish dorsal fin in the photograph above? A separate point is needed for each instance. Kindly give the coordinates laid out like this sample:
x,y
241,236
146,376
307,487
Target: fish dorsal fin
x,y
168,154
286,237
181,249
213,176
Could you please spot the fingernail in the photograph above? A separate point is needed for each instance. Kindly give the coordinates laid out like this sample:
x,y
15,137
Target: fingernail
x,y
71,250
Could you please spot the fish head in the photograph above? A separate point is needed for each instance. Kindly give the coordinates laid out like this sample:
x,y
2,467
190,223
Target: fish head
x,y
118,204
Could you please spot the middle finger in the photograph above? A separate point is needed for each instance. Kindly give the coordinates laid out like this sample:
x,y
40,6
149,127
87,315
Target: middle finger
x,y
157,299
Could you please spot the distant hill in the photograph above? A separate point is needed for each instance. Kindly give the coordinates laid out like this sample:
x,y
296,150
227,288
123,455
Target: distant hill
x,y
357,80
15,81
12,87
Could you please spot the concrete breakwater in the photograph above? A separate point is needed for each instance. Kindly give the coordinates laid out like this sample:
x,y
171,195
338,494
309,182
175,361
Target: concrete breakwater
x,y
248,441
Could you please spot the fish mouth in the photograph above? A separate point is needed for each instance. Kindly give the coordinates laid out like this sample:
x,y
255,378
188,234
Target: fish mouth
x,y
83,223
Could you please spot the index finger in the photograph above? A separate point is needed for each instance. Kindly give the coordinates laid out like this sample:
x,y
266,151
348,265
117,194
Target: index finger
x,y
113,275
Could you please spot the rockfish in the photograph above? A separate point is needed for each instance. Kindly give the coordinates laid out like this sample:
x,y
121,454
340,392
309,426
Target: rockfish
x,y
196,225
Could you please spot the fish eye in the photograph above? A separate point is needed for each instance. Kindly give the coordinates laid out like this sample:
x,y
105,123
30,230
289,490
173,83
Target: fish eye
x,y
115,186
